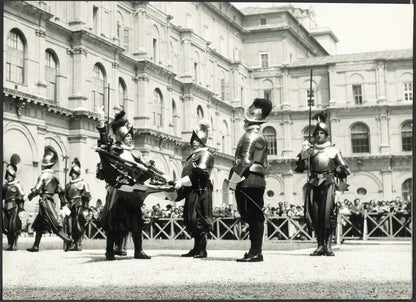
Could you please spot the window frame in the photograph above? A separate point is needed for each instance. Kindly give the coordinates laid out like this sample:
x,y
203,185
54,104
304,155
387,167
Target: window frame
x,y
358,98
15,72
407,91
261,54
406,139
51,57
271,140
357,147
314,94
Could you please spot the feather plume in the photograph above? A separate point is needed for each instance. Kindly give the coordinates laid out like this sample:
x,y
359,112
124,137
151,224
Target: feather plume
x,y
76,162
320,116
204,124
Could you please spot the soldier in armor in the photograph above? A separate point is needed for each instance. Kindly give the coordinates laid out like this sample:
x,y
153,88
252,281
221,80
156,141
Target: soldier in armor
x,y
78,195
196,187
328,173
247,176
46,187
122,211
13,195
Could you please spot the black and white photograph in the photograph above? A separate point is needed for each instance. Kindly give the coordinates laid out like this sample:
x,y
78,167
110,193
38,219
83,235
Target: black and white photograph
x,y
207,150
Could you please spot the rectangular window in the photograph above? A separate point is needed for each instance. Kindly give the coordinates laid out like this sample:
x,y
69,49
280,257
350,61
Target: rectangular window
x,y
407,142
310,97
95,19
268,94
196,72
50,77
262,21
264,60
223,89
126,40
407,91
154,50
357,94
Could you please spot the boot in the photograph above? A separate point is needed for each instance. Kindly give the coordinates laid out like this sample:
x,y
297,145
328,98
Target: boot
x,y
202,253
109,250
120,248
328,242
320,251
9,242
256,240
138,250
65,237
15,243
35,247
68,231
195,249
76,246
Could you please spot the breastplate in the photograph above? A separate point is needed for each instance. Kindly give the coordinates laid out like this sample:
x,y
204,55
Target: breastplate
x,y
75,190
11,193
321,162
51,186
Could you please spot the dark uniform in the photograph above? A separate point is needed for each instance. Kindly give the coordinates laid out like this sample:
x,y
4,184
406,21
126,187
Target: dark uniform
x,y
46,187
78,195
328,172
247,176
12,194
196,187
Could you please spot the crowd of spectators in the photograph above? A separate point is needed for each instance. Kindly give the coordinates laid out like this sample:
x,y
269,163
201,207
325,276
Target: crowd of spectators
x,y
358,207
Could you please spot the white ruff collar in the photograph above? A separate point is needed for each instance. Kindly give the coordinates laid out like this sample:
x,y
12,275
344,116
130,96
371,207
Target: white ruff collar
x,y
322,146
75,180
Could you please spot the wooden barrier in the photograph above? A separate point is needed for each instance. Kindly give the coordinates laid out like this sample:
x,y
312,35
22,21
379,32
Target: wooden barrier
x,y
365,226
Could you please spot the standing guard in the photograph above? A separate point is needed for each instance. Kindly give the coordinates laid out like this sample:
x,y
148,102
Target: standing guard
x,y
46,187
327,173
124,170
78,196
13,195
196,187
247,176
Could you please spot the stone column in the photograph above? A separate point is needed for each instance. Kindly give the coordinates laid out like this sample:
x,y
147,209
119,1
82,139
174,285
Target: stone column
x,y
139,49
381,87
41,47
143,106
81,79
287,150
186,72
384,131
80,11
187,116
332,85
285,89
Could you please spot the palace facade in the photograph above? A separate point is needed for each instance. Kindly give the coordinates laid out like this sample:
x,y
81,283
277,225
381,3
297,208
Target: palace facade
x,y
170,64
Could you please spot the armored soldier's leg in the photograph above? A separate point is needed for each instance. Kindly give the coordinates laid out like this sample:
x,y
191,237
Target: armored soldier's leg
x,y
68,230
9,242
15,243
138,250
109,251
120,243
320,250
202,246
258,240
35,247
195,249
124,245
328,242
64,237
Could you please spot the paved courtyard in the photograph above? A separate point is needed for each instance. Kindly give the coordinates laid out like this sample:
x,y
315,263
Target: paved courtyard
x,y
358,271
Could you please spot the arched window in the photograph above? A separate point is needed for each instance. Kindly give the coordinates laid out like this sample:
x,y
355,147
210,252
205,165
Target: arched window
x,y
225,194
200,113
407,136
15,60
360,139
224,137
407,190
157,108
51,72
270,135
122,92
174,115
98,88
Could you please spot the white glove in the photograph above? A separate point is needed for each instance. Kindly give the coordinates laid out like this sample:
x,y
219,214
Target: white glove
x,y
183,182
235,179
66,211
306,145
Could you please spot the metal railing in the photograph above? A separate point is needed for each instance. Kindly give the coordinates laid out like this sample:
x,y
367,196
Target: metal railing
x,y
349,226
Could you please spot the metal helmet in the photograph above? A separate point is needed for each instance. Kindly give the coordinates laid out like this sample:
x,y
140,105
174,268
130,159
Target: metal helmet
x,y
121,126
321,117
201,134
50,157
75,167
258,111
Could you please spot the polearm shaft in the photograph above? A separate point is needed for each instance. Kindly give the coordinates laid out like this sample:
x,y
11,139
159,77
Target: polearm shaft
x,y
310,118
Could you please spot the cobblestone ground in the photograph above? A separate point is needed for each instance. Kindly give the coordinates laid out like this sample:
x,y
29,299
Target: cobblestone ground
x,y
374,271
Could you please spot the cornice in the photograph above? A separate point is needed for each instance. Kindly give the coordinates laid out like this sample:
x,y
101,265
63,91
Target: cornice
x,y
84,35
30,9
145,66
147,131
